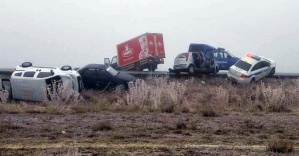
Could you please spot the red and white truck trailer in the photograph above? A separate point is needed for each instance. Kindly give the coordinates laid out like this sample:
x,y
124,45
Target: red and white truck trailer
x,y
142,52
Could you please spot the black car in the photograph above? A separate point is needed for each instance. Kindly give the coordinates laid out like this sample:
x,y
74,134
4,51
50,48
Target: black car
x,y
99,76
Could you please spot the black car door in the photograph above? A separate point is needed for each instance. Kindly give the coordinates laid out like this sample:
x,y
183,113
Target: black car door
x,y
89,77
104,78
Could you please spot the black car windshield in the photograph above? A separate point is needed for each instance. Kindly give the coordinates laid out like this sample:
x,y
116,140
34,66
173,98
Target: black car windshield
x,y
112,71
243,65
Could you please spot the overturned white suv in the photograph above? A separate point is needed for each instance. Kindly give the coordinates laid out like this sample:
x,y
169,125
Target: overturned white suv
x,y
34,83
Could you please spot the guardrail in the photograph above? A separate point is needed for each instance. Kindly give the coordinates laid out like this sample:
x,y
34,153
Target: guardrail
x,y
6,72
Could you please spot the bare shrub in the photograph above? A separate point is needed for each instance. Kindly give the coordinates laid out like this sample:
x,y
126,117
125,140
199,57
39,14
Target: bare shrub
x,y
4,95
276,99
102,126
11,108
60,92
161,94
280,146
65,151
209,111
181,125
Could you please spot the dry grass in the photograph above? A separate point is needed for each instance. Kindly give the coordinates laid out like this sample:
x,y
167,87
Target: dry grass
x,y
102,126
280,146
4,95
209,97
66,151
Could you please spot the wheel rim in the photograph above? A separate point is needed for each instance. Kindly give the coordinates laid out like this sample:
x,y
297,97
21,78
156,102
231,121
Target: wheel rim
x,y
191,69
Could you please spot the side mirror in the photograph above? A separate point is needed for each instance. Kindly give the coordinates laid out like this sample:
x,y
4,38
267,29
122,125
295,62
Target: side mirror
x,y
107,61
228,56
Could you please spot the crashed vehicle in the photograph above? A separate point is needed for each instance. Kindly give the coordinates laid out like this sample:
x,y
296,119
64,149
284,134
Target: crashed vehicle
x,y
224,58
31,83
100,76
251,69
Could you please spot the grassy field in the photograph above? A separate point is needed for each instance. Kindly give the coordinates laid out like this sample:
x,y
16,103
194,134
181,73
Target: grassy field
x,y
158,117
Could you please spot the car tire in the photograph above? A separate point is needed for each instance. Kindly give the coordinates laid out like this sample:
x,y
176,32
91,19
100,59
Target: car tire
x,y
137,66
272,72
252,81
215,71
152,68
191,69
121,87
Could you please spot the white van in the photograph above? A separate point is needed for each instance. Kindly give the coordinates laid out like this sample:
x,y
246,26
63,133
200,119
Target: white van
x,y
30,83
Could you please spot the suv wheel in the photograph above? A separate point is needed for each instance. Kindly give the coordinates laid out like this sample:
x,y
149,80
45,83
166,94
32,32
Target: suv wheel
x,y
191,69
215,71
252,81
272,72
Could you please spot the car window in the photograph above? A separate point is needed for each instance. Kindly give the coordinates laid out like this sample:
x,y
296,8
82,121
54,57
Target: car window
x,y
259,65
225,55
218,54
102,73
210,55
29,74
266,64
114,60
243,65
18,74
183,55
44,74
195,55
90,72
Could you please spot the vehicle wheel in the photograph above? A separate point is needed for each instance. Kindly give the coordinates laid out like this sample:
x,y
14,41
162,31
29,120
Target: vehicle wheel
x,y
7,86
191,69
215,71
252,81
272,72
137,66
151,68
121,87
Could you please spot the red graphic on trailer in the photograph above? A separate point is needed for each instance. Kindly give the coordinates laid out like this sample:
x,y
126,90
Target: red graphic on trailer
x,y
160,46
128,51
144,47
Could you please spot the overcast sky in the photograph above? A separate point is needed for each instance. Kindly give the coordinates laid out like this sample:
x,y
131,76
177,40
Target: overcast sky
x,y
78,32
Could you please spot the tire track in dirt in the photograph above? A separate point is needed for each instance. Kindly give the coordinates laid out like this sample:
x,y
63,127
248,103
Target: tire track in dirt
x,y
132,145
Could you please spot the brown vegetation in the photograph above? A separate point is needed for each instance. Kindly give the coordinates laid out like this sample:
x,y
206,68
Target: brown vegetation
x,y
168,114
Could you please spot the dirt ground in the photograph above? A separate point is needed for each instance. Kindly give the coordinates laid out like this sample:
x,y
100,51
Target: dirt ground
x,y
149,133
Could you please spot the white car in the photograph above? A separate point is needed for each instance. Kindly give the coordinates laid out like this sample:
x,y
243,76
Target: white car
x,y
195,62
30,83
251,68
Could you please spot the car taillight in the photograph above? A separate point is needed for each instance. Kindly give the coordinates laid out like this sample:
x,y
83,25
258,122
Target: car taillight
x,y
187,56
244,76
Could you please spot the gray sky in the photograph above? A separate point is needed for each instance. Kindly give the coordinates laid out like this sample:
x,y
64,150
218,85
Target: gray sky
x,y
60,32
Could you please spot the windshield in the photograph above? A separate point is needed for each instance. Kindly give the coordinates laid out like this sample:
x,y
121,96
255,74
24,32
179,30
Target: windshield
x,y
243,65
112,71
183,55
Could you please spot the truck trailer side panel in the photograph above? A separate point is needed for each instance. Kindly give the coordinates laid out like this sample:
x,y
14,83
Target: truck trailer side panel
x,y
140,48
